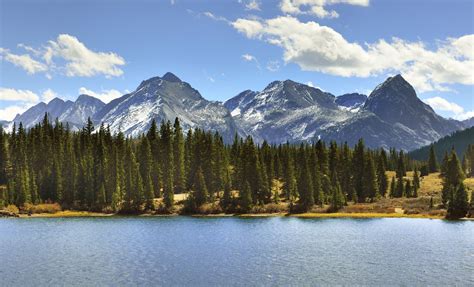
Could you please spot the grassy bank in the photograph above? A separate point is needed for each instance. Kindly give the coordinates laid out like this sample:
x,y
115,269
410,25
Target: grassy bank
x,y
427,205
71,213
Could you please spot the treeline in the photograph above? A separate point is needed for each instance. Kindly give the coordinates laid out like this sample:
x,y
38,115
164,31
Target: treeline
x,y
96,170
458,140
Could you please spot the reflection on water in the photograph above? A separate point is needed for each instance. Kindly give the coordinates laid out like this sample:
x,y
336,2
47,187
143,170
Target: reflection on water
x,y
233,251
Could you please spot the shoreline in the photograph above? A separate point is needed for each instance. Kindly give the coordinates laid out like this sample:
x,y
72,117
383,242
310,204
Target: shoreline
x,y
79,214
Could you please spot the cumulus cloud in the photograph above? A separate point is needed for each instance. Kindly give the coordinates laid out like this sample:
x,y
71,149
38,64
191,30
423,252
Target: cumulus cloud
x,y
48,95
9,113
81,61
105,95
316,7
320,48
7,94
75,59
441,104
24,61
23,100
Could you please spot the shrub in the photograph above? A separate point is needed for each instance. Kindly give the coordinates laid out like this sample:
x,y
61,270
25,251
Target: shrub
x,y
12,208
42,208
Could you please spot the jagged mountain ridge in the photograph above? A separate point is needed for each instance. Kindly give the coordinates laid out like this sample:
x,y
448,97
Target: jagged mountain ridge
x,y
392,116
73,113
286,111
165,98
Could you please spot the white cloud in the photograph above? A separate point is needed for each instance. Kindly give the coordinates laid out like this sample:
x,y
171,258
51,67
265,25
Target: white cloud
x,y
316,7
9,113
105,95
320,48
48,95
24,61
75,59
441,104
24,99
7,94
248,57
82,61
253,5
465,115
309,83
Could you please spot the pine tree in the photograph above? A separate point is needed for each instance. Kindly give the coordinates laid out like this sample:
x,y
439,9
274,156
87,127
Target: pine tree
x,y
178,157
458,206
444,164
227,196
408,189
393,191
347,187
370,178
146,165
289,186
359,165
245,198
452,178
336,198
200,189
3,157
416,182
382,181
167,164
318,191
401,169
432,161
400,188
305,187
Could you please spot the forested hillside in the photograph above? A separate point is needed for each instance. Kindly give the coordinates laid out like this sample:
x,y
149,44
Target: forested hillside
x,y
99,171
459,140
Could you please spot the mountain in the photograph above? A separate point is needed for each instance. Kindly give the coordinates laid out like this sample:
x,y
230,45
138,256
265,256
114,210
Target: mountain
x,y
352,102
74,113
84,107
165,98
458,140
392,116
285,111
395,101
469,122
35,114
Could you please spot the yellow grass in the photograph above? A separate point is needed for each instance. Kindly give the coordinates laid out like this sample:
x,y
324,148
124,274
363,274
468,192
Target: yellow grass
x,y
68,213
431,185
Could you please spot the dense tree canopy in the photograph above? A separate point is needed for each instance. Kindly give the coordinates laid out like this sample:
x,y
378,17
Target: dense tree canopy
x,y
96,170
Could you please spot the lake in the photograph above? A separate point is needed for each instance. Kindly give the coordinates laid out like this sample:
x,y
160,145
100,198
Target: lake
x,y
228,251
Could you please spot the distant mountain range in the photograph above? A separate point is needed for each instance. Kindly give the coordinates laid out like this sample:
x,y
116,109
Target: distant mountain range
x,y
391,116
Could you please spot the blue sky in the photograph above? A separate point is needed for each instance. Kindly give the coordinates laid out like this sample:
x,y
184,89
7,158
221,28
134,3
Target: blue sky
x,y
106,48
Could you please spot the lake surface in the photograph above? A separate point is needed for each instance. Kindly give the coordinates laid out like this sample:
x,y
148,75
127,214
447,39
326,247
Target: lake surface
x,y
177,251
